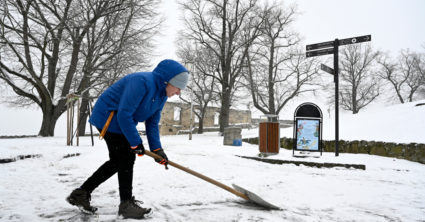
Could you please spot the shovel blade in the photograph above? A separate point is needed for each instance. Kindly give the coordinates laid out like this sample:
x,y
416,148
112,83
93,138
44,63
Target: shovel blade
x,y
254,198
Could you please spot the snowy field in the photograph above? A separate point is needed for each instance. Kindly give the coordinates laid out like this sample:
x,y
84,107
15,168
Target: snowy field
x,y
402,123
388,190
35,189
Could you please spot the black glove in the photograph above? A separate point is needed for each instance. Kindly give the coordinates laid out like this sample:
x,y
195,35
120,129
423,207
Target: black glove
x,y
164,160
139,150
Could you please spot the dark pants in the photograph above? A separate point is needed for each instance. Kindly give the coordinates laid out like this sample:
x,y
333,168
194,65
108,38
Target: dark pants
x,y
121,160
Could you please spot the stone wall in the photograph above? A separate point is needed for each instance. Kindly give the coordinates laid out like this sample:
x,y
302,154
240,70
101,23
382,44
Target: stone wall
x,y
412,151
239,116
168,126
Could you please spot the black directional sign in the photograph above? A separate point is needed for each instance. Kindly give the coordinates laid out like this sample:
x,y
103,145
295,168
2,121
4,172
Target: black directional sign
x,y
331,47
319,52
353,40
321,45
347,41
327,69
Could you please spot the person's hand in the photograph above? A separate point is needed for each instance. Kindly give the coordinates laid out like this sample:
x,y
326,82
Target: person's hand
x,y
139,149
164,160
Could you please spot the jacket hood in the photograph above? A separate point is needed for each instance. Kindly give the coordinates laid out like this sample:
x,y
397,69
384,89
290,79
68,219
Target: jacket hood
x,y
166,70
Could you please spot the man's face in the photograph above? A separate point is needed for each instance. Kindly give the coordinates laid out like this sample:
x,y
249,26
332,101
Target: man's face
x,y
172,90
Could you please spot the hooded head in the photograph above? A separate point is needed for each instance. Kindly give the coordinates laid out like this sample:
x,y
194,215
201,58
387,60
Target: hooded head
x,y
180,80
170,71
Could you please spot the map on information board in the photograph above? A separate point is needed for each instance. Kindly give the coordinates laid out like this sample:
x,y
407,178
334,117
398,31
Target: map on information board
x,y
308,134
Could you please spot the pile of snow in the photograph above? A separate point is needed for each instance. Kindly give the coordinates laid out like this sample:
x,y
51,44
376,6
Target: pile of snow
x,y
35,189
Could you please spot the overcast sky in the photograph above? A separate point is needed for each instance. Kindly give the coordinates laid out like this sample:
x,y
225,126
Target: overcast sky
x,y
393,24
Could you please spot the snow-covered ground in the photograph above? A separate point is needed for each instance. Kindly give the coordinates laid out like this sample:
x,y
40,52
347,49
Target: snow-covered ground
x,y
35,189
402,123
388,190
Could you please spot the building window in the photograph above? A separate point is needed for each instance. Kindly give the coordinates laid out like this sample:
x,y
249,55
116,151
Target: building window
x,y
216,118
196,118
177,112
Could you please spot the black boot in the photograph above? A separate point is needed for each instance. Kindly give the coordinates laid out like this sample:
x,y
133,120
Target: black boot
x,y
131,209
81,199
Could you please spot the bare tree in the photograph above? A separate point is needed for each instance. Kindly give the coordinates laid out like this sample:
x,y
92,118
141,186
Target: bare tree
x,y
217,26
406,76
420,69
389,71
412,67
117,44
42,53
359,81
201,62
277,71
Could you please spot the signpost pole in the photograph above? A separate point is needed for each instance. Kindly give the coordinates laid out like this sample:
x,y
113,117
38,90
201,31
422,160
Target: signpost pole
x,y
329,47
336,80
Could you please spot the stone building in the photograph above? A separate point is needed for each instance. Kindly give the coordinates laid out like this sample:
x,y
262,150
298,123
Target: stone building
x,y
175,118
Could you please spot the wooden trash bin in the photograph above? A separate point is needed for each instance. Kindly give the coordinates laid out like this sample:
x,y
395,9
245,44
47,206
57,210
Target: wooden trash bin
x,y
269,135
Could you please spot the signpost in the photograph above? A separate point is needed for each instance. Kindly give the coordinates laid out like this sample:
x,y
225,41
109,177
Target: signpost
x,y
353,40
347,41
327,69
329,47
321,45
320,52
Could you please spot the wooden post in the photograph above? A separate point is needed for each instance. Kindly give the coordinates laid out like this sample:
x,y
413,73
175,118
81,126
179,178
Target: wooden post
x,y
72,121
91,128
78,122
70,102
263,137
68,123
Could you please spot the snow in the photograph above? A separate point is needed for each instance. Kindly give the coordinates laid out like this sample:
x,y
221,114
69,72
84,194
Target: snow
x,y
388,190
403,123
35,189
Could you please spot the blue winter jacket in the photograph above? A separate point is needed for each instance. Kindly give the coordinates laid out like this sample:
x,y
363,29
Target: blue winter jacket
x,y
136,98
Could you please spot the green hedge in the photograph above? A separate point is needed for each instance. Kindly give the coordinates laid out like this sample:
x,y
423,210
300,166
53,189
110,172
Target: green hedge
x,y
412,151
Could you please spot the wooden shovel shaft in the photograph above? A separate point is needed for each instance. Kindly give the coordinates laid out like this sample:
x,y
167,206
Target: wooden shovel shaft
x,y
203,177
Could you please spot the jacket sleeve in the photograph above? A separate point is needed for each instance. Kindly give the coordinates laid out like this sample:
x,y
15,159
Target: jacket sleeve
x,y
130,99
152,130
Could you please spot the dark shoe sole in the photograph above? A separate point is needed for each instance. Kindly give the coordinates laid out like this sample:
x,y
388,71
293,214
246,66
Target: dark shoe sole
x,y
144,215
90,210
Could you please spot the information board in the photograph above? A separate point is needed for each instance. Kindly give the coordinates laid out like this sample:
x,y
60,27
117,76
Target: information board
x,y
307,134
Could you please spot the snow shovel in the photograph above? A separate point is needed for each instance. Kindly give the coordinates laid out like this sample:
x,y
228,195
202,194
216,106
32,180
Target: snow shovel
x,y
238,191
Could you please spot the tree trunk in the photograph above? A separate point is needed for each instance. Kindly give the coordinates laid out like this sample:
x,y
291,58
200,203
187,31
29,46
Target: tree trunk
x,y
48,124
224,111
354,100
201,126
272,109
83,116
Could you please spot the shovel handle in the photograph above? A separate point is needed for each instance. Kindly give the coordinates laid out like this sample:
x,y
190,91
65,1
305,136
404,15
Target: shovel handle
x,y
203,177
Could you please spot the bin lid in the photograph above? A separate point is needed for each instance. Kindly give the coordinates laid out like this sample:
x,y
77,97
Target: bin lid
x,y
269,118
308,110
